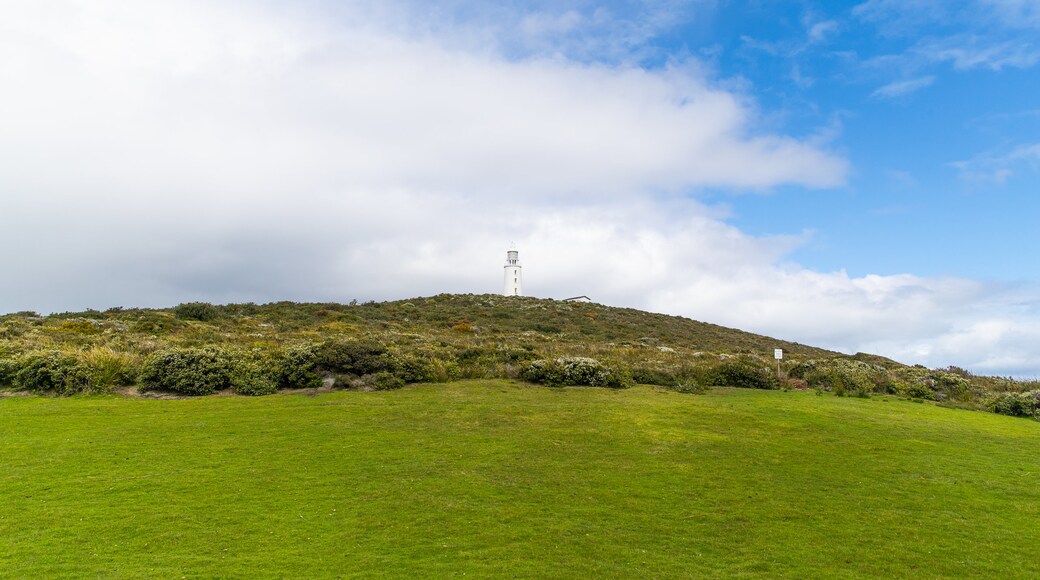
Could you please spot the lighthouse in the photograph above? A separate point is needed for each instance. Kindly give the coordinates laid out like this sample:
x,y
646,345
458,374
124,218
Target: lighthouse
x,y
513,279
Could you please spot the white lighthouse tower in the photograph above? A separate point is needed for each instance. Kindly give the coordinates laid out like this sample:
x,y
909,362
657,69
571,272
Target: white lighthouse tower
x,y
513,279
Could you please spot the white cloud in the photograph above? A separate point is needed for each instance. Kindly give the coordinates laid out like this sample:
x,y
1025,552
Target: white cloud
x,y
992,168
181,134
899,17
821,31
980,34
970,52
702,268
1015,13
577,30
158,152
903,88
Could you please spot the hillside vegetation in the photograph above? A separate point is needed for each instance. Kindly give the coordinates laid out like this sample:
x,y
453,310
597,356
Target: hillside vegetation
x,y
501,479
199,348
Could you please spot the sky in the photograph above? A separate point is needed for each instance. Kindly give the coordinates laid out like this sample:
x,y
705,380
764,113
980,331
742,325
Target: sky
x,y
858,176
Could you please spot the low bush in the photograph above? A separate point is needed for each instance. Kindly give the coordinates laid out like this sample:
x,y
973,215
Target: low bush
x,y
202,311
441,371
411,368
251,377
78,327
913,390
156,323
574,370
743,374
791,384
385,381
422,367
188,371
682,378
51,372
356,357
474,354
545,328
296,368
938,384
463,327
1025,404
844,376
544,371
515,355
358,364
8,367
12,331
951,386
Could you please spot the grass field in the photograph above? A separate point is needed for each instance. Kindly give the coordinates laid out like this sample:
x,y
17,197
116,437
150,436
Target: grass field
x,y
493,478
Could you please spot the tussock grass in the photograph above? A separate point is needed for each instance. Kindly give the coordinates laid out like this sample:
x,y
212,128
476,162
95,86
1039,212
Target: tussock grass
x,y
108,368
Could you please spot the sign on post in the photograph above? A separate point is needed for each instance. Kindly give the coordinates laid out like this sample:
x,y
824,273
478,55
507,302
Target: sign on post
x,y
778,353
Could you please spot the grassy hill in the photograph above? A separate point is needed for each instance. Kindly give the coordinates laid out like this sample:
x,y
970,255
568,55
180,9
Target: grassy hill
x,y
487,317
257,349
503,479
494,476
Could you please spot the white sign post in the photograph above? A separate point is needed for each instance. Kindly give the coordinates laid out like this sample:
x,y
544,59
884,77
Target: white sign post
x,y
778,354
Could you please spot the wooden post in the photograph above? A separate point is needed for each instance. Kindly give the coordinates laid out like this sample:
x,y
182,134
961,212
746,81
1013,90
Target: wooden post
x,y
778,354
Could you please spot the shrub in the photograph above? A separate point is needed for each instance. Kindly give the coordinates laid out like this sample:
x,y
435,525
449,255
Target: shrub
x,y
420,367
515,355
578,370
296,368
913,390
844,376
156,323
411,369
250,377
188,371
385,381
743,374
202,311
8,367
463,327
357,357
12,331
795,384
951,386
442,371
1025,404
939,385
574,370
79,327
55,372
545,372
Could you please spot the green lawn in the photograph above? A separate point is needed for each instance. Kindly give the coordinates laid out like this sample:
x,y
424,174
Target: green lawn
x,y
499,479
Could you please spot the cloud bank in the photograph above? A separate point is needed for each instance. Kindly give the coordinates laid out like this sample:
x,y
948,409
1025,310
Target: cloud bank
x,y
158,152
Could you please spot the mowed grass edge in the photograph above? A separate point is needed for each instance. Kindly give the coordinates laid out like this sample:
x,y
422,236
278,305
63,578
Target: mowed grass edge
x,y
494,478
